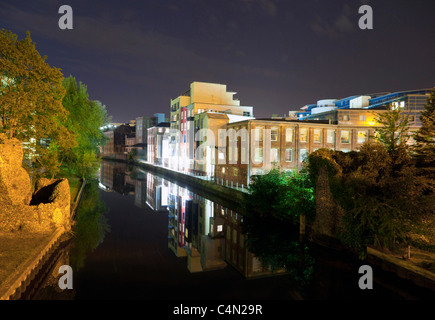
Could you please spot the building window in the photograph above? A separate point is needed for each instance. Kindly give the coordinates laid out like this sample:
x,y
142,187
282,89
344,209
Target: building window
x,y
219,228
223,169
235,172
345,136
362,136
258,155
243,133
362,117
317,136
346,117
258,134
243,155
303,154
289,134
288,155
246,113
274,155
274,134
330,136
303,135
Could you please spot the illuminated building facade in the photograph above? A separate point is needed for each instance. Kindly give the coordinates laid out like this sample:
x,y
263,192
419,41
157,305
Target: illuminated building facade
x,y
201,97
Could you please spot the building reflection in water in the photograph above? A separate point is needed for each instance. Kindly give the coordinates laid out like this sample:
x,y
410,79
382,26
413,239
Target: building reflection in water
x,y
207,233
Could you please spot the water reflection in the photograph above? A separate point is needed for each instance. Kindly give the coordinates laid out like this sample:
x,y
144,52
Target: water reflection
x,y
164,238
90,227
209,234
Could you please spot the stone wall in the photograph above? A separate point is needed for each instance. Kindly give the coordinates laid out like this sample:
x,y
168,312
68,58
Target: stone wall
x,y
329,215
21,209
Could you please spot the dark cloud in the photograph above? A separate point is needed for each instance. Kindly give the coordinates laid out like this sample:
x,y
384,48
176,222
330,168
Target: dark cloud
x,y
278,55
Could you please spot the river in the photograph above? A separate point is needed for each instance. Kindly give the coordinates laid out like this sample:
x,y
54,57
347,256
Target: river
x,y
139,235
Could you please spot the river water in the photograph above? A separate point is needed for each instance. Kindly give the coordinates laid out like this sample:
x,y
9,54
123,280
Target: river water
x,y
139,235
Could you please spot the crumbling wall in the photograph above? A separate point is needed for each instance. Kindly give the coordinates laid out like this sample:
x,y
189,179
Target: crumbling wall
x,y
20,209
329,215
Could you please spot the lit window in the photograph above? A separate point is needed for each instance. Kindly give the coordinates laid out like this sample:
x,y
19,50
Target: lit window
x,y
258,134
317,135
219,228
258,155
330,136
274,155
303,135
345,136
288,155
289,134
362,136
303,154
235,172
243,155
274,134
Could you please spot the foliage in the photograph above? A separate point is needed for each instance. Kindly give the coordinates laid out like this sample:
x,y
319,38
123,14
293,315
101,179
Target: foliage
x,y
275,203
132,155
424,148
282,195
85,119
394,129
31,108
379,190
91,224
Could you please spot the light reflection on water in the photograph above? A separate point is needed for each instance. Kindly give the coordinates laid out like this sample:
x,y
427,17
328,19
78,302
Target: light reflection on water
x,y
139,235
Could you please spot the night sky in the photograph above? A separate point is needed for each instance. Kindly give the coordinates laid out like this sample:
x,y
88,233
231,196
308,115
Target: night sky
x,y
278,55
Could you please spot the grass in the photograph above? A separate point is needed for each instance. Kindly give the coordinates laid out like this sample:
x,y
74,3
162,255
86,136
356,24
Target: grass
x,y
74,185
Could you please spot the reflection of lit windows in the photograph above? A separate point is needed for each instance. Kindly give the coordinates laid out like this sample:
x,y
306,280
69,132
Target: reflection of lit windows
x,y
258,155
345,136
303,135
274,134
219,228
362,136
330,136
317,135
289,134
289,155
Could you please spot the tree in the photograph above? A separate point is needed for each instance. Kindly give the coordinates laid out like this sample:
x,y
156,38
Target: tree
x,y
394,134
31,108
85,119
281,195
424,148
380,203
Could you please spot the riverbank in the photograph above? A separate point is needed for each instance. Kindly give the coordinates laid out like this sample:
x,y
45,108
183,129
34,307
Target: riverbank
x,y
419,268
21,254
